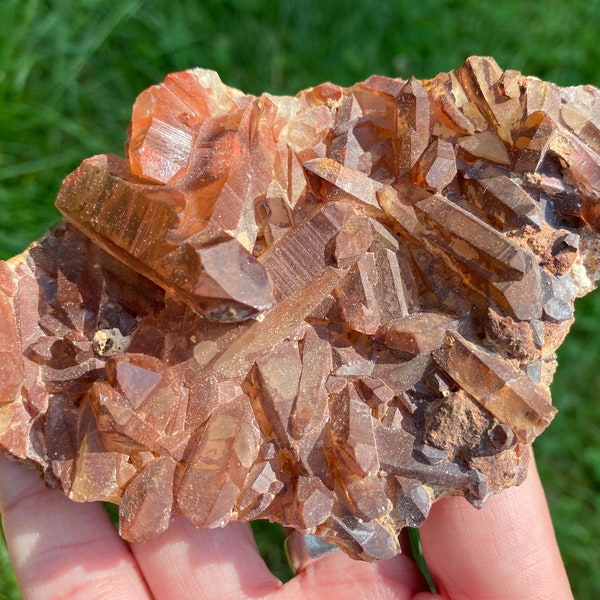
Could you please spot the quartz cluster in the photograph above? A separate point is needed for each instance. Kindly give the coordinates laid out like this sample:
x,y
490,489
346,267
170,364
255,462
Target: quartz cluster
x,y
326,310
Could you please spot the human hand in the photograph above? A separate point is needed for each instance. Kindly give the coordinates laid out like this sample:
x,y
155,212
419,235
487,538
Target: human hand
x,y
60,549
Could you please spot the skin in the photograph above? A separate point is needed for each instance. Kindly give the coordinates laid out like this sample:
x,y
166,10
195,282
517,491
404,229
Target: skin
x,y
60,549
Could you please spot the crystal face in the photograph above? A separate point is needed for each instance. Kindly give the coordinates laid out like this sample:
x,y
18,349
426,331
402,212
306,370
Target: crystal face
x,y
328,311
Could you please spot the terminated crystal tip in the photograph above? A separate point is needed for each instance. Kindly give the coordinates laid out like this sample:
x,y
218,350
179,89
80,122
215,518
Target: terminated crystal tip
x,y
328,311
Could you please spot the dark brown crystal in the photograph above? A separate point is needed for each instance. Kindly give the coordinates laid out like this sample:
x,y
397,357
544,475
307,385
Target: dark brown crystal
x,y
328,311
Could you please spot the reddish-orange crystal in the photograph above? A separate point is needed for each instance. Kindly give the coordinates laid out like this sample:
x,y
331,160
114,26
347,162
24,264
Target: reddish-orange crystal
x,y
328,311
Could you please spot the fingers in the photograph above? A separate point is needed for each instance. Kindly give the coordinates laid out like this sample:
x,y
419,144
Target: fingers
x,y
185,562
338,576
505,551
61,549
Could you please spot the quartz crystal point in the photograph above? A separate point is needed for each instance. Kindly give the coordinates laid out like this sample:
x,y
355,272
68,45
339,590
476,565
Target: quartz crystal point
x,y
328,311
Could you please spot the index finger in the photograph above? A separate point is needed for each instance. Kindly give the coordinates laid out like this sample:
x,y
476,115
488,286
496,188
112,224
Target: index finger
x,y
506,550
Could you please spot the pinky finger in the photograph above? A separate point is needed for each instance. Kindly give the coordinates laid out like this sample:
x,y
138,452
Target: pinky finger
x,y
61,549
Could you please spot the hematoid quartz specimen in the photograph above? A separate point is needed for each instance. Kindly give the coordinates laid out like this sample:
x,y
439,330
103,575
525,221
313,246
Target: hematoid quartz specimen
x,y
326,310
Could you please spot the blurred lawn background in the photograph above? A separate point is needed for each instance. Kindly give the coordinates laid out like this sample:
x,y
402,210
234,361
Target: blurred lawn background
x,y
70,70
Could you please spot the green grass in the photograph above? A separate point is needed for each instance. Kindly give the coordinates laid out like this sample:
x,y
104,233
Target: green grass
x,y
70,70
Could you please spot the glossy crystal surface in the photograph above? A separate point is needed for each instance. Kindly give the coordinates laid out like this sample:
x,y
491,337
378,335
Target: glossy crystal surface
x,y
327,310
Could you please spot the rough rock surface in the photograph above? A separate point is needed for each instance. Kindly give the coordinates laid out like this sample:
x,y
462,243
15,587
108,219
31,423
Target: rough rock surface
x,y
328,310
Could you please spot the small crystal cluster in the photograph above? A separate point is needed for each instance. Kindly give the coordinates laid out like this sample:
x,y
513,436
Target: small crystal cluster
x,y
328,310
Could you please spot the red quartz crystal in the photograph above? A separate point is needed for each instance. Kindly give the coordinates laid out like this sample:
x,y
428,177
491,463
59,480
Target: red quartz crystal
x,y
328,311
